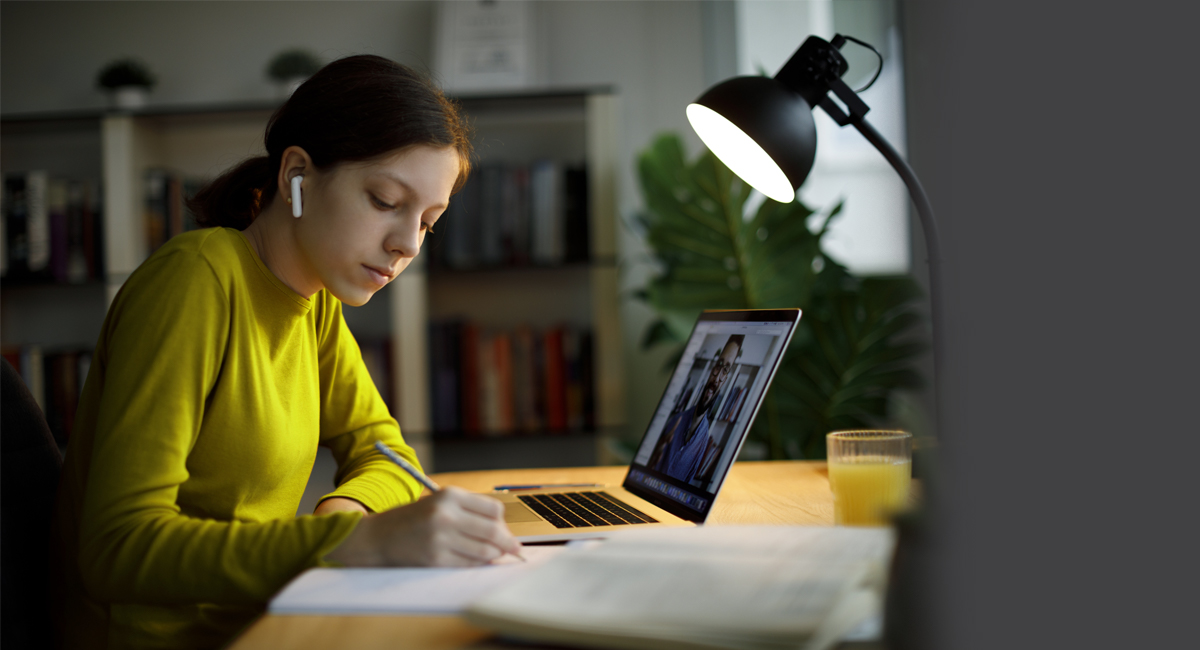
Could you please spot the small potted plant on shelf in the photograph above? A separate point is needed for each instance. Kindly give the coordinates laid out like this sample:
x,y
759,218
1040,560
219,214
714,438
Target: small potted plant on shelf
x,y
127,82
290,68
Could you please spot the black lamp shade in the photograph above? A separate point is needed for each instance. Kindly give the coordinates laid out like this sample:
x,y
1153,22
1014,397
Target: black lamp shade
x,y
775,118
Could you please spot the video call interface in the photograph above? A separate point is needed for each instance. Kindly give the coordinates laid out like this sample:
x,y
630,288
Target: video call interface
x,y
700,423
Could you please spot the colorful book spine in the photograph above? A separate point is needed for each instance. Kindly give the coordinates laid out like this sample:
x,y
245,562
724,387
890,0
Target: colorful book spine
x,y
573,388
55,379
525,387
555,380
93,233
469,351
587,379
36,188
547,212
501,382
442,380
506,408
576,223
16,224
491,225
515,215
154,209
56,209
165,211
76,265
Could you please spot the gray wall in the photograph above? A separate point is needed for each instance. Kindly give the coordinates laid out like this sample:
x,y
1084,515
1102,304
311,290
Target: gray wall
x,y
202,52
209,52
1058,145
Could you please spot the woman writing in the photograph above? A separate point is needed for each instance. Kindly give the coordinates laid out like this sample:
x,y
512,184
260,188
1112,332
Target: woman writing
x,y
224,362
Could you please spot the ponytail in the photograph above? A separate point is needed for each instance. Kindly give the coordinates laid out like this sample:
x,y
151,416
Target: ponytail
x,y
234,198
352,110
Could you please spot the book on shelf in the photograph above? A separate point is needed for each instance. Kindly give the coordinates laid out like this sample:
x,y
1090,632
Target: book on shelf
x,y
548,212
575,235
505,420
500,382
511,214
165,212
468,374
579,395
489,389
443,379
55,378
52,228
527,411
488,215
554,379
38,227
704,588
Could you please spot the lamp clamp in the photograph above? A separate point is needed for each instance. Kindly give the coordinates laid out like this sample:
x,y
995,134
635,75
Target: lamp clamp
x,y
815,70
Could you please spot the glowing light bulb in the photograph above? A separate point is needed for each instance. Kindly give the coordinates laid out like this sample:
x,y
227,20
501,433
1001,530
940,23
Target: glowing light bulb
x,y
740,153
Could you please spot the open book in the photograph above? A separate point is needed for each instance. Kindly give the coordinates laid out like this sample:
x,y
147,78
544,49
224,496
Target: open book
x,y
704,588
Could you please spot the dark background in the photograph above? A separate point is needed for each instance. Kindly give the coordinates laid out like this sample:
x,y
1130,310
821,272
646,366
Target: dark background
x,y
1058,143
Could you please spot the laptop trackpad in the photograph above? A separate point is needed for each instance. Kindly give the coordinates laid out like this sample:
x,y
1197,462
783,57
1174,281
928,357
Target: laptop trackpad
x,y
516,512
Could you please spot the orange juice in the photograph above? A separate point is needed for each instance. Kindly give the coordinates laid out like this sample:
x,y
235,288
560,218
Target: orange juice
x,y
866,492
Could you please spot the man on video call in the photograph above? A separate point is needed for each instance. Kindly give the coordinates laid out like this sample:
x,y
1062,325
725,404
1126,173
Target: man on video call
x,y
685,438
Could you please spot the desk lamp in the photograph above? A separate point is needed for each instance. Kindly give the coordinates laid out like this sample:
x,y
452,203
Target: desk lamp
x,y
763,130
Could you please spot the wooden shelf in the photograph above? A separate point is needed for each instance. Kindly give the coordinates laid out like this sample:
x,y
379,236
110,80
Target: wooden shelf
x,y
516,269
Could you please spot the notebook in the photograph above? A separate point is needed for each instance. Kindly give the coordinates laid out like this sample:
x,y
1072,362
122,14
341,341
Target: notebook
x,y
691,442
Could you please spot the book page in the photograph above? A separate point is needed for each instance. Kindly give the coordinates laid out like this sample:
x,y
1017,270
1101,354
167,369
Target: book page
x,y
401,590
727,586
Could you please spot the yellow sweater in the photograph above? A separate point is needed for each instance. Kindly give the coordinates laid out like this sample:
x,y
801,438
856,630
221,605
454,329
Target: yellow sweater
x,y
211,386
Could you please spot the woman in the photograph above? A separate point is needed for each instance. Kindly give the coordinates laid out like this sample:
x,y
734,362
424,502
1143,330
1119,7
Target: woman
x,y
224,361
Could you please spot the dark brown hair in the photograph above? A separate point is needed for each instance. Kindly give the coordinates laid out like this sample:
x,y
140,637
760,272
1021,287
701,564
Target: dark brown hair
x,y
352,110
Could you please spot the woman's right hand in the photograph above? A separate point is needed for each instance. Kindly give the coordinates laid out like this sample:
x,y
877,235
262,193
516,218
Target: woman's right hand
x,y
452,527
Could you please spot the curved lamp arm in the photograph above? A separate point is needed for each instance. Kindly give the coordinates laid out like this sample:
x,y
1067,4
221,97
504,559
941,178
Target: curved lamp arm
x,y
932,244
855,114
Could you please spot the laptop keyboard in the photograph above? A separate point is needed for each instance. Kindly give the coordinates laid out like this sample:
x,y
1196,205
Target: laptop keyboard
x,y
584,509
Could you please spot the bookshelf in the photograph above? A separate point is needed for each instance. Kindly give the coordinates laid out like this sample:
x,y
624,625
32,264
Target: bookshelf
x,y
115,150
577,129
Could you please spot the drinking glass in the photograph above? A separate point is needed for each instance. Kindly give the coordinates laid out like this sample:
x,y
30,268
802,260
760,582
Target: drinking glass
x,y
869,473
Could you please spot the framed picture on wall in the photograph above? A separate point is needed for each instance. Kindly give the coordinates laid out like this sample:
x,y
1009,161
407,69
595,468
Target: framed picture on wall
x,y
486,45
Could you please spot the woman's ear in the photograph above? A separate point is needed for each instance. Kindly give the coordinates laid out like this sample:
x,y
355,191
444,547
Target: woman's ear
x,y
294,162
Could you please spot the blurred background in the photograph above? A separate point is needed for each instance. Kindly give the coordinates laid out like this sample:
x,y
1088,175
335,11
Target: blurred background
x,y
594,84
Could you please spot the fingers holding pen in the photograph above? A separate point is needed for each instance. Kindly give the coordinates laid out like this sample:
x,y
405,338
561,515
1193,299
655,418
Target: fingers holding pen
x,y
467,523
483,521
483,527
451,527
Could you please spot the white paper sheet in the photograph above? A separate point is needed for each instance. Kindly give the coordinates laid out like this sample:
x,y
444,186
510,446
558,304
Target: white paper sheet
x,y
401,591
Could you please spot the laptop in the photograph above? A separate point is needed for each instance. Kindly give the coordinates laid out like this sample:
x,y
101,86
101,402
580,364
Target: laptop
x,y
692,440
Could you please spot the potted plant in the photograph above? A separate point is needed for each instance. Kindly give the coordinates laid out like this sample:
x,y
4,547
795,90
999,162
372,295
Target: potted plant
x,y
127,82
854,344
290,68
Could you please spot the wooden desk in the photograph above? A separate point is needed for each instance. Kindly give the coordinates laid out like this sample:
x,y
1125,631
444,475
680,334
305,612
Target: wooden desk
x,y
778,492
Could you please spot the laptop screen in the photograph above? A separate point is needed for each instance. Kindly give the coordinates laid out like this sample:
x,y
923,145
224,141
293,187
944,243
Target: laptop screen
x,y
708,407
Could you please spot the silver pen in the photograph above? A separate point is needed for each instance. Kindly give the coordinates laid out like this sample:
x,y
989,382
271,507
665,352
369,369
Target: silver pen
x,y
407,466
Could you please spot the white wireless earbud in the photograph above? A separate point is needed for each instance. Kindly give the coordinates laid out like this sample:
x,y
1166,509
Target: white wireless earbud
x,y
296,209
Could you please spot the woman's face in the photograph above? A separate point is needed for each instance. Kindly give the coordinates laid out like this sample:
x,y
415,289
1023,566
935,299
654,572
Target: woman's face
x,y
364,222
